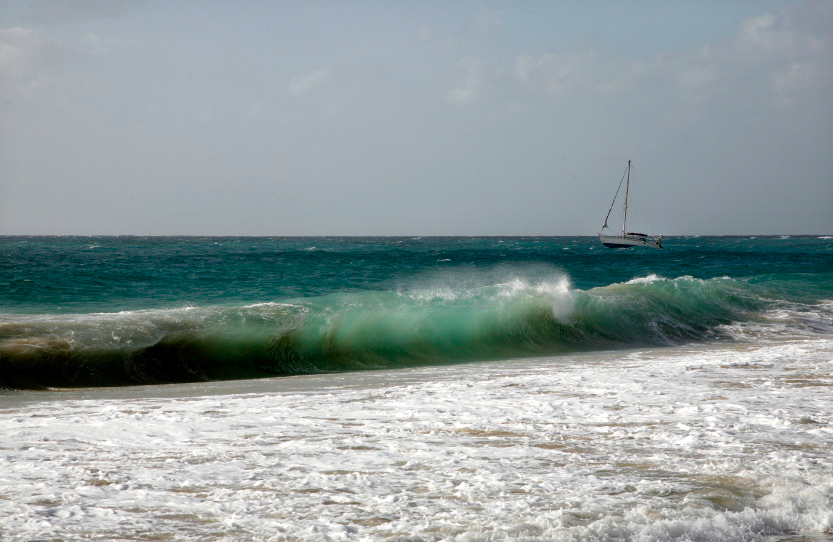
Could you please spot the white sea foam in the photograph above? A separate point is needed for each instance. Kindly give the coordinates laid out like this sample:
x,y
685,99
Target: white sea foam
x,y
560,294
715,442
645,280
789,320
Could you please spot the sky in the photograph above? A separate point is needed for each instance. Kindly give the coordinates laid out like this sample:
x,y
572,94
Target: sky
x,y
414,117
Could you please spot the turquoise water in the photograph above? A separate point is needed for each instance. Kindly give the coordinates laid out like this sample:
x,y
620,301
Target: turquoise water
x,y
88,311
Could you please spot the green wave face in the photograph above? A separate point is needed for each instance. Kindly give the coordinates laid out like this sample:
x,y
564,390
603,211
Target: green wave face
x,y
382,329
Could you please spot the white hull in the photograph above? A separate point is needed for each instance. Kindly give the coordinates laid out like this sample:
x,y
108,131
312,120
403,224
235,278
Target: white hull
x,y
617,241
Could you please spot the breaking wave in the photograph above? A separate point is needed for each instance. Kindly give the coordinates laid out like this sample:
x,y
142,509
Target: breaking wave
x,y
388,329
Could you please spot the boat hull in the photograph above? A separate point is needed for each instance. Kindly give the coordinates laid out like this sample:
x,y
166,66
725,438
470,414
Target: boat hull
x,y
617,241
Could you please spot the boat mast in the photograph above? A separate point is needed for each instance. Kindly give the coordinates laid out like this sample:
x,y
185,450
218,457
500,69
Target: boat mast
x,y
612,203
625,214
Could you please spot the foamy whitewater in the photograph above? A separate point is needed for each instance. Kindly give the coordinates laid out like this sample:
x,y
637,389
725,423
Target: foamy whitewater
x,y
422,390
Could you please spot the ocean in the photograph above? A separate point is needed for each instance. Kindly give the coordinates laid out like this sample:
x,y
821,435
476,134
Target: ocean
x,y
416,389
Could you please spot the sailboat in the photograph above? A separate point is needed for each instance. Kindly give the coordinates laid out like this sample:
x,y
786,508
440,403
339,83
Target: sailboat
x,y
627,239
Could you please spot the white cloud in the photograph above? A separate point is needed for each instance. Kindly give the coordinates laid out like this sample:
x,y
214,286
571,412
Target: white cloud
x,y
795,77
32,60
486,23
62,11
100,46
307,82
775,35
469,90
772,58
696,77
527,66
28,59
794,58
558,72
17,48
